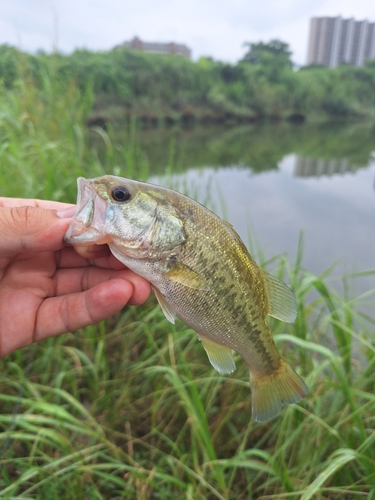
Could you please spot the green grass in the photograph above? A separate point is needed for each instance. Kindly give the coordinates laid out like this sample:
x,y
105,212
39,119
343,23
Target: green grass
x,y
131,408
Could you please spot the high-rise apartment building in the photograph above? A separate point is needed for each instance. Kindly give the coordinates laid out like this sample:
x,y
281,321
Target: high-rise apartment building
x,y
334,40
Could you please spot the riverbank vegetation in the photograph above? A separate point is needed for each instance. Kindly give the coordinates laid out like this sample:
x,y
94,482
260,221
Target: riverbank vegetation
x,y
131,408
160,89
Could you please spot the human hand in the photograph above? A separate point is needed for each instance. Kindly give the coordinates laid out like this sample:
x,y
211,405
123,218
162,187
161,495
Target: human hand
x,y
46,287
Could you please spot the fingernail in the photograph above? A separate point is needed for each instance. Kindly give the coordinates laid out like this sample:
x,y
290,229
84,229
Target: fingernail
x,y
67,213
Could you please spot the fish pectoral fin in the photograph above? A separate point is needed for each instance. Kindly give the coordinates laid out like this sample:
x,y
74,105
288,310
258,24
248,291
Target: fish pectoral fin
x,y
186,276
221,357
269,393
282,304
165,307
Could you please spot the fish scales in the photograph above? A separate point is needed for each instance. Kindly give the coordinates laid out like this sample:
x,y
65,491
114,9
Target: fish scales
x,y
226,309
200,271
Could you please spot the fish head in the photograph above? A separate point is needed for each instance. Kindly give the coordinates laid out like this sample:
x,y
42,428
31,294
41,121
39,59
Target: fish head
x,y
138,218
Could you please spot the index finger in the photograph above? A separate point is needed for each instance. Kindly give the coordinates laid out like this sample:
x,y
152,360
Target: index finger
x,y
103,258
22,202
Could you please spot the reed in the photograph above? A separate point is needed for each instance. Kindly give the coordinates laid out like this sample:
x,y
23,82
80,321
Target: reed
x,y
131,408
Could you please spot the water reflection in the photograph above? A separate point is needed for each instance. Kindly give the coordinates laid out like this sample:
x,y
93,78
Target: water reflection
x,y
258,147
273,181
317,167
269,211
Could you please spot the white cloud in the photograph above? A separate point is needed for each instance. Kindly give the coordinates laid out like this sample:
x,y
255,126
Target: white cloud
x,y
209,27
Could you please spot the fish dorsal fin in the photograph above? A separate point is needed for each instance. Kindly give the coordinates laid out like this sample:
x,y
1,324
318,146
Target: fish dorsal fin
x,y
165,307
234,233
221,357
185,276
282,304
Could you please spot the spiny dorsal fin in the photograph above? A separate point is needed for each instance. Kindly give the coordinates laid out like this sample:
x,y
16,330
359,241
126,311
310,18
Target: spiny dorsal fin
x,y
165,307
232,230
282,304
221,357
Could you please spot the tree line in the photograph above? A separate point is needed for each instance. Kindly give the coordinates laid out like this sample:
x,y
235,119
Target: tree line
x,y
160,88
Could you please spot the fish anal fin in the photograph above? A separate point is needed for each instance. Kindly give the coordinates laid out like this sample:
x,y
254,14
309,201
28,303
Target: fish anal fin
x,y
165,307
282,304
185,276
221,357
269,393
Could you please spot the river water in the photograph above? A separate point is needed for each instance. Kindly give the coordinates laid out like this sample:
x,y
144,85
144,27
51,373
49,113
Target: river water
x,y
276,181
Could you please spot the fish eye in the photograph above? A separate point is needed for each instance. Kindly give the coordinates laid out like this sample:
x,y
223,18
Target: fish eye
x,y
120,193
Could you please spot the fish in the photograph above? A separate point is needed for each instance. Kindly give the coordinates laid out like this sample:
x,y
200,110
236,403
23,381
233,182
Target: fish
x,y
201,272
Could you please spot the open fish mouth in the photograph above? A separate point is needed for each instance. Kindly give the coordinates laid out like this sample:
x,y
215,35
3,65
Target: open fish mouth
x,y
88,223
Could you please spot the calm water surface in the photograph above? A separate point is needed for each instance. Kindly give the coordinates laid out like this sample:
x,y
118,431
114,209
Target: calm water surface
x,y
274,181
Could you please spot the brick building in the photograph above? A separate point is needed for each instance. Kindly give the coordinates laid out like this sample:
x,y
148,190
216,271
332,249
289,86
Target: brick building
x,y
157,47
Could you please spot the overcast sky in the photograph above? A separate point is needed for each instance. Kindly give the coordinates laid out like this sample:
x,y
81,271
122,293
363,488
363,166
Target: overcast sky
x,y
216,28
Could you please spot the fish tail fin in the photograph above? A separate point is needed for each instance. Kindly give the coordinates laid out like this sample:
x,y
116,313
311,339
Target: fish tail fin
x,y
271,392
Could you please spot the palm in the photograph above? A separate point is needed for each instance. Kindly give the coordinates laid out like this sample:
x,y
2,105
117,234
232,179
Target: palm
x,y
44,293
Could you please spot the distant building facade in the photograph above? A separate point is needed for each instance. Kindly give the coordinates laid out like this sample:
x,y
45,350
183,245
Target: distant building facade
x,y
334,40
315,167
156,47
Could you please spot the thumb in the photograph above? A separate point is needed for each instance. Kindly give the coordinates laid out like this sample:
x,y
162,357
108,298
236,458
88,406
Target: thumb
x,y
30,228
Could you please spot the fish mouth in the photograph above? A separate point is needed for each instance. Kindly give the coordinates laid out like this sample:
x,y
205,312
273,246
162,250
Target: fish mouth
x,y
88,224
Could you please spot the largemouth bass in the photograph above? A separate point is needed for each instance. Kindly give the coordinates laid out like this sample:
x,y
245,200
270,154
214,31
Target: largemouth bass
x,y
201,272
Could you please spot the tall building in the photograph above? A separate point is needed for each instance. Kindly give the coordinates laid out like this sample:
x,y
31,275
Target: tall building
x,y
315,167
157,47
334,40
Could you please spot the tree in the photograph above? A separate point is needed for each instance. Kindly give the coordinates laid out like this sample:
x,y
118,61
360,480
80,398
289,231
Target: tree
x,y
275,53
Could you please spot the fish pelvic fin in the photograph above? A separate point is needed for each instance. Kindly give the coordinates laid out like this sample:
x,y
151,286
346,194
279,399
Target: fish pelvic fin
x,y
271,392
165,307
220,356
